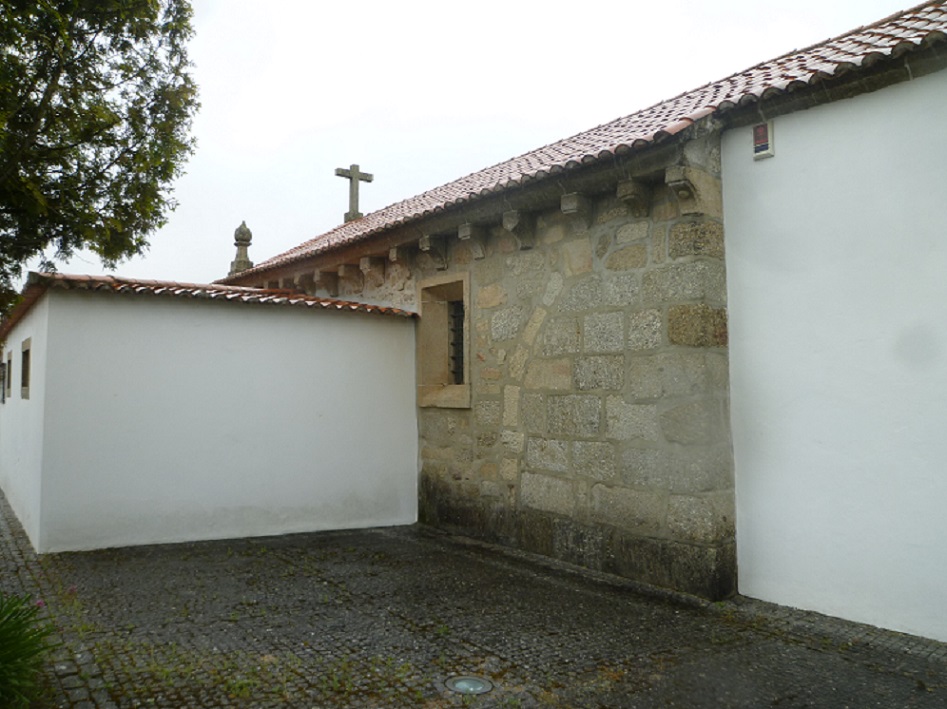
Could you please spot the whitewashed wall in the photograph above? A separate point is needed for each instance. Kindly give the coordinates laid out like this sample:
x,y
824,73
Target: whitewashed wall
x,y
22,422
837,276
171,420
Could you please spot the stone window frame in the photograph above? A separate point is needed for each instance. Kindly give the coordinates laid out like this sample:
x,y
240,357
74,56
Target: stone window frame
x,y
25,357
435,386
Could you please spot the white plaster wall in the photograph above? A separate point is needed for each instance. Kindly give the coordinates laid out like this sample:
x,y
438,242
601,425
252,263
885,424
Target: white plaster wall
x,y
175,420
22,422
837,278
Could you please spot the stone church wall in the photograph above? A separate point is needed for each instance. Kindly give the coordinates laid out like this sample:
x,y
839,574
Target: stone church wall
x,y
598,425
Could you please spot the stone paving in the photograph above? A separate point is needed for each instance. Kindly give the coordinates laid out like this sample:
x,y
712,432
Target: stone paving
x,y
384,617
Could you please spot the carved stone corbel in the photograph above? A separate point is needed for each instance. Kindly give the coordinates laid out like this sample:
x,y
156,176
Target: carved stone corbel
x,y
436,249
678,179
522,226
697,192
306,282
577,205
351,276
397,271
635,194
476,239
373,269
328,281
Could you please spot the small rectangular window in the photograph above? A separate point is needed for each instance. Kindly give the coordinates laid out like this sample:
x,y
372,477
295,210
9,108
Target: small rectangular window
x,y
8,388
3,382
443,340
25,368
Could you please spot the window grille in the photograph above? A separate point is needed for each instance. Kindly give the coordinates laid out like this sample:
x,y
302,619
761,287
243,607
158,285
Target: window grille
x,y
455,326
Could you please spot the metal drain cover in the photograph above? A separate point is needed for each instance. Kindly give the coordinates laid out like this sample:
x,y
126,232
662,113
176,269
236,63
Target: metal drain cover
x,y
468,684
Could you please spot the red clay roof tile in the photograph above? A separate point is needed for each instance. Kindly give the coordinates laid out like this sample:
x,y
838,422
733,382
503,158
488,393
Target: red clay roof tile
x,y
889,37
38,283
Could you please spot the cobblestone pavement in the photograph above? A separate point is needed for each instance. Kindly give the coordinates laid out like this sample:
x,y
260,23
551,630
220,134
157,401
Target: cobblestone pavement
x,y
383,618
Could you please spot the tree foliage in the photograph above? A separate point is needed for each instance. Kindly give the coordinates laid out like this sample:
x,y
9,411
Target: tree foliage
x,y
96,103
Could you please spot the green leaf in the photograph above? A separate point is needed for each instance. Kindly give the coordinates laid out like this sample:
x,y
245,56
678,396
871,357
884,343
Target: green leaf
x,y
96,106
24,642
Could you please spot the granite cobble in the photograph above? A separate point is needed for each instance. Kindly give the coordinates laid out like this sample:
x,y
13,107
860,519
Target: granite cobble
x,y
384,617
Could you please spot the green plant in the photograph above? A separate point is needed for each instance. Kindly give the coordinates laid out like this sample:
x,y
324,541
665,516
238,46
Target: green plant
x,y
242,687
24,640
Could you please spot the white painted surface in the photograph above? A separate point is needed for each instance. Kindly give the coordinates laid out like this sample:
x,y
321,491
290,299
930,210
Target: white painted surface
x,y
22,422
172,420
837,277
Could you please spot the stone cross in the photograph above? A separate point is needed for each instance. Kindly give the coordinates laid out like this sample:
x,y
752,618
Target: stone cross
x,y
353,175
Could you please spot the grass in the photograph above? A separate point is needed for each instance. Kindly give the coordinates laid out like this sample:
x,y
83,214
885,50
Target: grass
x,y
24,641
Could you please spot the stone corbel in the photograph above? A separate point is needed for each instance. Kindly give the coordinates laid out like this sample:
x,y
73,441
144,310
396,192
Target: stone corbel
x,y
328,281
522,226
306,282
637,195
397,270
577,205
476,239
373,270
696,191
436,249
351,276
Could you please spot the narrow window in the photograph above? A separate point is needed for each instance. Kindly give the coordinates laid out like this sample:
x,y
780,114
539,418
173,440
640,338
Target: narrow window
x,y
3,382
443,339
25,368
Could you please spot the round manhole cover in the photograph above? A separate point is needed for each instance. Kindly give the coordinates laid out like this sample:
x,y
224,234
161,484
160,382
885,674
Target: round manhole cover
x,y
468,684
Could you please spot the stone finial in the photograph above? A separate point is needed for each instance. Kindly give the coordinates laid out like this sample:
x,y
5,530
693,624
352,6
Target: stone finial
x,y
241,239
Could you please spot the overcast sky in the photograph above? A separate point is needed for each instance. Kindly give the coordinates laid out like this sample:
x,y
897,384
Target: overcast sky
x,y
419,92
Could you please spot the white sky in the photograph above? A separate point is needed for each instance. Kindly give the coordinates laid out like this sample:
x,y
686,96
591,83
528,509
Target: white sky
x,y
420,92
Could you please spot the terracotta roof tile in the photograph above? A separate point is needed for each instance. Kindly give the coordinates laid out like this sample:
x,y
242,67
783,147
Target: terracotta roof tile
x,y
891,36
39,283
